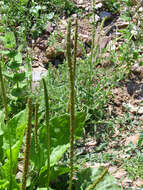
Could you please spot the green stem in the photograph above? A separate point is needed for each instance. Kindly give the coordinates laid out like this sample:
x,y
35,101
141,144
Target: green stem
x,y
72,103
36,127
92,46
48,129
4,99
75,47
93,34
3,94
27,146
92,187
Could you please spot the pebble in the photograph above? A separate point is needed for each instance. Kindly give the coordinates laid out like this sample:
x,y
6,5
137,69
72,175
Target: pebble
x,y
37,75
107,15
98,6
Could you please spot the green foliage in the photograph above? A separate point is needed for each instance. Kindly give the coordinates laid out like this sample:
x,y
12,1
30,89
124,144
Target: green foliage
x,y
27,18
17,125
15,79
59,126
112,5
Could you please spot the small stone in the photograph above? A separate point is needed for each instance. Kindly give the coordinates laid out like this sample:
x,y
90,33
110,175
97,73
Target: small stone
x,y
81,1
107,15
87,9
74,15
140,10
37,75
98,6
36,64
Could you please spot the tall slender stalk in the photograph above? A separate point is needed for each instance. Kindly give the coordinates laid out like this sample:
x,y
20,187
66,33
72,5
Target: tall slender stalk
x,y
75,47
36,127
91,58
93,33
92,187
74,56
72,103
4,99
3,94
47,117
27,146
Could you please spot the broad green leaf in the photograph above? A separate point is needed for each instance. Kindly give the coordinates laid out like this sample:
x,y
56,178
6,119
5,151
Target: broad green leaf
x,y
88,176
9,76
18,57
55,156
13,64
57,171
17,92
19,77
17,127
9,40
59,128
59,132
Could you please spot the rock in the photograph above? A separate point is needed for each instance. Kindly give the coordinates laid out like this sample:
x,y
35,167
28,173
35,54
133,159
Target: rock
x,y
36,64
80,1
38,74
137,70
91,20
52,52
107,15
98,6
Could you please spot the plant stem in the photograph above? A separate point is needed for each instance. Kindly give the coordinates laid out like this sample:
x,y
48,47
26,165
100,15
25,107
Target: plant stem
x,y
74,57
72,106
92,187
75,47
3,94
27,145
36,127
48,129
92,47
4,99
93,34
